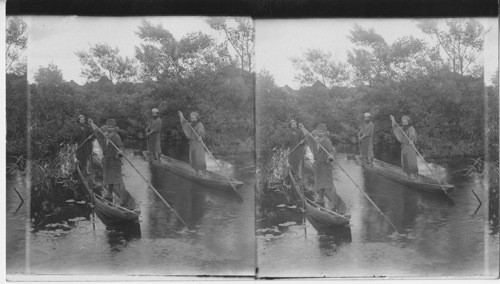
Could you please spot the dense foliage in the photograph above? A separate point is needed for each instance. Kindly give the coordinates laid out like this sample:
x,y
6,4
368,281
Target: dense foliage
x,y
439,84
194,73
409,76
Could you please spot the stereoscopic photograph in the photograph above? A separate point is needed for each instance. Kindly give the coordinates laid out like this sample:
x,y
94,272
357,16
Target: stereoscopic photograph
x,y
377,148
129,146
157,148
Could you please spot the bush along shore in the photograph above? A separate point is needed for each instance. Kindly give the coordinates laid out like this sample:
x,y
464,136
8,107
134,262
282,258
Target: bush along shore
x,y
201,76
453,108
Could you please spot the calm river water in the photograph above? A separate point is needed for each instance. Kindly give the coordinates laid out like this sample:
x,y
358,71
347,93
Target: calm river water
x,y
435,237
220,239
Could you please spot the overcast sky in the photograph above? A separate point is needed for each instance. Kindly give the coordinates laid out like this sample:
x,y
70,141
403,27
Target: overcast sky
x,y
55,39
279,40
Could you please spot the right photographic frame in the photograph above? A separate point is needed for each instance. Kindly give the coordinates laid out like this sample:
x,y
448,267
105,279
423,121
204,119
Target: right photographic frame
x,y
377,148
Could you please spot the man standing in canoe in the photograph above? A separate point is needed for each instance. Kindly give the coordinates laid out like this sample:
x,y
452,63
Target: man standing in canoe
x,y
153,132
365,135
196,149
323,172
294,142
84,143
111,163
408,154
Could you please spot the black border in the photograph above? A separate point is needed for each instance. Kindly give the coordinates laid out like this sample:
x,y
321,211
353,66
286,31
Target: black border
x,y
259,8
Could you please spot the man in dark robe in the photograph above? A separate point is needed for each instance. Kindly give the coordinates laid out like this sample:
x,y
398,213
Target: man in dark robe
x,y
365,135
84,144
153,132
196,148
294,141
323,171
407,136
112,164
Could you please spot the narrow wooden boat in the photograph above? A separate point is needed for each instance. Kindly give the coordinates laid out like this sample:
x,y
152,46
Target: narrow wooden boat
x,y
317,214
185,170
105,210
397,174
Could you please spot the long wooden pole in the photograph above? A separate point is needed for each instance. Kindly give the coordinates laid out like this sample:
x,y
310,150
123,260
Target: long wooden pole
x,y
150,185
199,138
92,191
428,167
365,194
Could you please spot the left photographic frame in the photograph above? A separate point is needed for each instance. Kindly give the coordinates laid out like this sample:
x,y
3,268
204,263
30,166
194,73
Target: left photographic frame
x,y
130,147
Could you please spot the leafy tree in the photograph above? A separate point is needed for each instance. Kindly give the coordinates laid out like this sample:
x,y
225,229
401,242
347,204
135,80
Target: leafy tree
x,y
102,60
315,64
461,40
16,109
49,78
158,55
16,39
240,34
376,62
162,57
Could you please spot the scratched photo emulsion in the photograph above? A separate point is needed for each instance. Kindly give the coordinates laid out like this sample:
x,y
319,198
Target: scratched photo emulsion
x,y
130,147
377,148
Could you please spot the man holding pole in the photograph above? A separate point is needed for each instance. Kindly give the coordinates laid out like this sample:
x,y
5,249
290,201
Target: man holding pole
x,y
84,142
365,135
296,156
407,136
195,131
112,149
323,151
153,132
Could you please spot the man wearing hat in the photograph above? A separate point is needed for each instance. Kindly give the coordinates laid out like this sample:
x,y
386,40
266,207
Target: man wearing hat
x,y
153,132
408,153
365,135
111,163
323,172
196,148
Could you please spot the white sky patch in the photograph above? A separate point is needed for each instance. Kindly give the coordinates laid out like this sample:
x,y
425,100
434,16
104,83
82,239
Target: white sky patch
x,y
56,39
490,50
279,40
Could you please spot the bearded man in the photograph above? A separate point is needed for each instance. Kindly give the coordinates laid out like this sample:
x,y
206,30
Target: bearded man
x,y
112,150
323,150
195,132
407,136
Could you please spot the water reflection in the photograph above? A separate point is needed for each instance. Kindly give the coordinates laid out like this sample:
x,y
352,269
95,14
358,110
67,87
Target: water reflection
x,y
219,239
121,234
330,240
435,237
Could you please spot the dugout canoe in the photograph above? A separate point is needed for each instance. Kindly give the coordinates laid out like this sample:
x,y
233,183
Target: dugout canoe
x,y
397,174
318,214
185,170
105,210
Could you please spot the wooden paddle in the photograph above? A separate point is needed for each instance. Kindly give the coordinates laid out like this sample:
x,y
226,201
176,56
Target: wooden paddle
x,y
428,167
201,140
357,186
147,182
